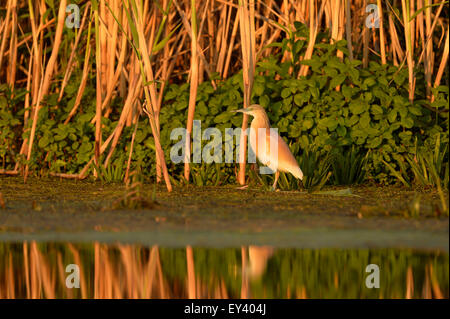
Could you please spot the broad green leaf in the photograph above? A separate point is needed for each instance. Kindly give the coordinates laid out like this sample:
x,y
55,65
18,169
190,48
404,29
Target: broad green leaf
x,y
358,106
337,80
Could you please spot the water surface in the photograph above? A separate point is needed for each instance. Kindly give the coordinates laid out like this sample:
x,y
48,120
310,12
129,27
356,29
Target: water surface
x,y
38,270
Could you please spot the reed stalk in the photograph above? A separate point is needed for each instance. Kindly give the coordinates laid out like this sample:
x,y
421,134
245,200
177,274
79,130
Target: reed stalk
x,y
43,89
194,80
191,282
409,46
247,32
98,82
381,28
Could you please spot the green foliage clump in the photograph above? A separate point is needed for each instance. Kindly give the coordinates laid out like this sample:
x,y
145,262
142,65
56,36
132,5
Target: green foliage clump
x,y
370,111
316,169
349,166
10,120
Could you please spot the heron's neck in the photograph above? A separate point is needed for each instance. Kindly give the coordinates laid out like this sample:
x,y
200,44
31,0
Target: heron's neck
x,y
260,121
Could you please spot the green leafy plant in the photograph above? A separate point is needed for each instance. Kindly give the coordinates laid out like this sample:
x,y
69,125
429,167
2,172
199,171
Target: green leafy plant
x,y
206,175
348,165
431,168
316,169
112,173
9,123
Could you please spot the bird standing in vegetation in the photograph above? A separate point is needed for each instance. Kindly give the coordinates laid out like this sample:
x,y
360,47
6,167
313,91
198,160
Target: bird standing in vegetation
x,y
281,161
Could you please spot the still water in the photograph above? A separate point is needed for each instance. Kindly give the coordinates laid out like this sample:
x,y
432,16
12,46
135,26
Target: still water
x,y
54,270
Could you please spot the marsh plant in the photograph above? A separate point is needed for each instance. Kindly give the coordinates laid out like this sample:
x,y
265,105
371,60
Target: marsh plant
x,y
112,173
430,168
349,165
316,168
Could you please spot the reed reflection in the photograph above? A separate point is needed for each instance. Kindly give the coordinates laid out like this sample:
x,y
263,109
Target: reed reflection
x,y
38,270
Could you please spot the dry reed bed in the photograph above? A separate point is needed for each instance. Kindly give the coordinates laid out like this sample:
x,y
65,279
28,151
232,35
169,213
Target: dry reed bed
x,y
138,47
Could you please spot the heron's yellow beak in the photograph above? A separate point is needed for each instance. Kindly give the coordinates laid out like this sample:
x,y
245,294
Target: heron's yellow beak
x,y
245,111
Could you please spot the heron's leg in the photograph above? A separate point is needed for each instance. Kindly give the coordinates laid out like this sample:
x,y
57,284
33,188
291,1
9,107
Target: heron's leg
x,y
274,186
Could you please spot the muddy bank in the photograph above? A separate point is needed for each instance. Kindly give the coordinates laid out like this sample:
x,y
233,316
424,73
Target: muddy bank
x,y
54,207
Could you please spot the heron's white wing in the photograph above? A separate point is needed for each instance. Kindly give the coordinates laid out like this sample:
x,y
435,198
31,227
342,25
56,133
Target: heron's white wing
x,y
280,157
275,153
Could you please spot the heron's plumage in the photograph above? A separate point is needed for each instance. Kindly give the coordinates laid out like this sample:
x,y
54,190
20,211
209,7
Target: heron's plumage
x,y
283,160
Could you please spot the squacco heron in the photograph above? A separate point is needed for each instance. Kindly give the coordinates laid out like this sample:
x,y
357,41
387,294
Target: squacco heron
x,y
281,161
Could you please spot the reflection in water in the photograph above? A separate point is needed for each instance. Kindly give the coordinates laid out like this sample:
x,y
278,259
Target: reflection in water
x,y
38,270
